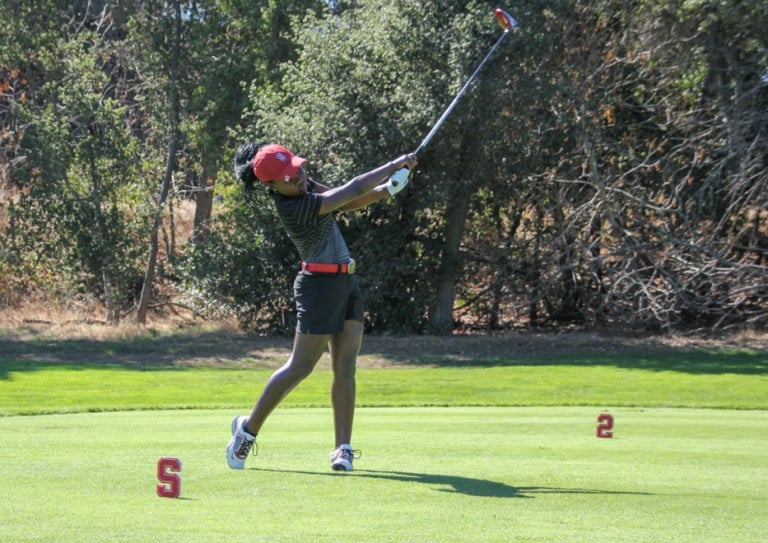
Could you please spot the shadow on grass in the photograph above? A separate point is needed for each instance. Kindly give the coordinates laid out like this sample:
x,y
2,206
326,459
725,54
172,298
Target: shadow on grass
x,y
194,348
181,350
742,362
467,486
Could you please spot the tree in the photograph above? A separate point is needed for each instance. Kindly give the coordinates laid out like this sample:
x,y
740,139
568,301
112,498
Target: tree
x,y
607,168
393,71
714,271
74,213
204,61
174,105
231,45
656,215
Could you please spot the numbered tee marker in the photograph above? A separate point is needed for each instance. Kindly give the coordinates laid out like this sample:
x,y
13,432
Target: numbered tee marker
x,y
604,425
169,475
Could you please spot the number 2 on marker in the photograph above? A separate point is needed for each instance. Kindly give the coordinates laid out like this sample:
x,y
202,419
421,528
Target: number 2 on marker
x,y
169,475
604,425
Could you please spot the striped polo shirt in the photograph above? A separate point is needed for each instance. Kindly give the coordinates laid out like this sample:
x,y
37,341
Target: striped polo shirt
x,y
317,237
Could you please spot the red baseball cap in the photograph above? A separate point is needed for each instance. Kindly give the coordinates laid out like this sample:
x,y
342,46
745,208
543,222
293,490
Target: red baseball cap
x,y
276,163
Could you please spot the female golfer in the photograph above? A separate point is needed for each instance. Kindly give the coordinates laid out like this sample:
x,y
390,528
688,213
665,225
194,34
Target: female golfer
x,y
329,304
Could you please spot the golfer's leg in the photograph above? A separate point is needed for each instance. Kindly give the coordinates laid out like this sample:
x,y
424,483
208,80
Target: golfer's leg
x,y
344,349
307,350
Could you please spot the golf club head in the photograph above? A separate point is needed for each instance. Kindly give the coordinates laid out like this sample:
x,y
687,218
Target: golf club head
x,y
506,21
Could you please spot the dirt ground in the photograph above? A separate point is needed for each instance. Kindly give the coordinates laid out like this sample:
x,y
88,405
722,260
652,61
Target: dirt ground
x,y
32,338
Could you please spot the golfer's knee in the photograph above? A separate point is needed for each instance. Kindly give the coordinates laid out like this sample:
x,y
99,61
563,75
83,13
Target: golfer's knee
x,y
297,371
344,369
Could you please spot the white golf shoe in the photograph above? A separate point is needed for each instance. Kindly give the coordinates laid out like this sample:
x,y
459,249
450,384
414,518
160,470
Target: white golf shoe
x,y
341,458
240,444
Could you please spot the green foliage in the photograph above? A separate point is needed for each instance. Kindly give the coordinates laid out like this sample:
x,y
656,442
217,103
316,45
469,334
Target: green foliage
x,y
243,267
354,109
76,211
608,167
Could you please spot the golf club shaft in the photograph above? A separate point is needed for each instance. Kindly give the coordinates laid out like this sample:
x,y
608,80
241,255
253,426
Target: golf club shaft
x,y
507,22
448,110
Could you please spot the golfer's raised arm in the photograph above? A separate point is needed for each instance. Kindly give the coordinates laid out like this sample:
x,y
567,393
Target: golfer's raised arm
x,y
368,185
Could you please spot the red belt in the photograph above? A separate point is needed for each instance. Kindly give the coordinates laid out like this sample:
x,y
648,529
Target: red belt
x,y
317,267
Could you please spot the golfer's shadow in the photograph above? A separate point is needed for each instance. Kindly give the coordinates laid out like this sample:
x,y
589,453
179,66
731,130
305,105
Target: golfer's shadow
x,y
449,483
479,487
467,486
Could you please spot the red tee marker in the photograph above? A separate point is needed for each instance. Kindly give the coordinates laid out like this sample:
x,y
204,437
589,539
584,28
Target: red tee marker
x,y
604,425
169,475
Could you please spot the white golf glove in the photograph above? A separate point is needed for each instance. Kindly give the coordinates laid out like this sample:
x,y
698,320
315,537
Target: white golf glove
x,y
397,181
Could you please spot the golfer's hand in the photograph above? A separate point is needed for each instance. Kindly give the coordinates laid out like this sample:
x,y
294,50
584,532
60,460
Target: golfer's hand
x,y
408,161
397,181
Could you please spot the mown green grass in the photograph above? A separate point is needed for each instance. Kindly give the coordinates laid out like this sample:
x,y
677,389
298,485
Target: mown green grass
x,y
491,449
443,475
35,388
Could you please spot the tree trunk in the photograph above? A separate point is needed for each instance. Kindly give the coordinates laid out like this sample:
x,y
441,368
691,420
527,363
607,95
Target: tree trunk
x,y
149,274
203,206
441,315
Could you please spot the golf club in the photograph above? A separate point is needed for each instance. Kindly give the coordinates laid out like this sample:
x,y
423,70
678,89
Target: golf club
x,y
508,23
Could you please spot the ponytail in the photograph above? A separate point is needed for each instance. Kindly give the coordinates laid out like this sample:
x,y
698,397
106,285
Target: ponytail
x,y
244,164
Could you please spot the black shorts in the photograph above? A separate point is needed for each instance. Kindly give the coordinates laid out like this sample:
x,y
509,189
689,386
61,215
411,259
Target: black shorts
x,y
325,301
